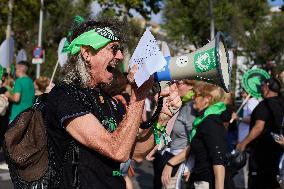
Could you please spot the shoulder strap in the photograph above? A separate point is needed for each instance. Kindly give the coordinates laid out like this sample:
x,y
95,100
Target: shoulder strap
x,y
75,163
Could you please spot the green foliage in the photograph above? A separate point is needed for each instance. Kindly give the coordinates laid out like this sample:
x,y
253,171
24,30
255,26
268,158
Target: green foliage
x,y
123,7
58,15
182,18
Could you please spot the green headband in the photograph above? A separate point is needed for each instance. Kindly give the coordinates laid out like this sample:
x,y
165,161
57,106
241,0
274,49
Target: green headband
x,y
96,38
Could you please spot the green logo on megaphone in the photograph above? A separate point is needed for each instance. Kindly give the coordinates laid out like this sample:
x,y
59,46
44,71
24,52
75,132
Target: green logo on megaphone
x,y
205,61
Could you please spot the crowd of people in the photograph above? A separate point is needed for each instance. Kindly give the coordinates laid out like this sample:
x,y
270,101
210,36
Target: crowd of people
x,y
94,116
18,93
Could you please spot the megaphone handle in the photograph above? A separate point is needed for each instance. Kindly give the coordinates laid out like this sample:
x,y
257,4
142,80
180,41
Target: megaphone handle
x,y
148,124
239,109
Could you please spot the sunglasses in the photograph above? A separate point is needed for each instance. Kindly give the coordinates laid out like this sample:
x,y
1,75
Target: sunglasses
x,y
115,48
197,95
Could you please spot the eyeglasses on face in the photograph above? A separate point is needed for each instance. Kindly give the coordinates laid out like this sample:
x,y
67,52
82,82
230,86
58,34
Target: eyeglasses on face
x,y
196,94
115,48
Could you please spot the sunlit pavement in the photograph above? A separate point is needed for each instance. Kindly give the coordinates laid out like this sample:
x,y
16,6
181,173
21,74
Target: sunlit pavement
x,y
5,180
143,178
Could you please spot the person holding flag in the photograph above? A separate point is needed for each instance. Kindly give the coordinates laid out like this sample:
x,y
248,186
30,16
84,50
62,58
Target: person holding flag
x,y
266,126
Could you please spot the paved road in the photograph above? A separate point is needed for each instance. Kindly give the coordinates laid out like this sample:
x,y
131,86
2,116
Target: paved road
x,y
143,178
5,181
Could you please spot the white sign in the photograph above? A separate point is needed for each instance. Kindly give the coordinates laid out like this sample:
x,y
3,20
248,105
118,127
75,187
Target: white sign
x,y
148,57
37,60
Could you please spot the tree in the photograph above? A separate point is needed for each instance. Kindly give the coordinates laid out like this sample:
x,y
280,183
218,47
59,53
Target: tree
x,y
58,15
123,7
248,23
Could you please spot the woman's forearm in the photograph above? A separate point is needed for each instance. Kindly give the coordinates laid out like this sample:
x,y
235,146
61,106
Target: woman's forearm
x,y
219,173
179,158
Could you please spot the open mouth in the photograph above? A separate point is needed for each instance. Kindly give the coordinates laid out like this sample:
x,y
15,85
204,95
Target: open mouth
x,y
110,68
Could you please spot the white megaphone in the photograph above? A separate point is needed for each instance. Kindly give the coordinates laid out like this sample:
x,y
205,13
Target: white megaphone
x,y
210,64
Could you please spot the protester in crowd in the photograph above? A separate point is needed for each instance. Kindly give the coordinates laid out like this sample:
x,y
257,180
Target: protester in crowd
x,y
226,116
23,94
79,110
282,76
116,89
6,84
232,135
265,153
179,135
280,140
4,109
207,139
244,120
243,127
41,84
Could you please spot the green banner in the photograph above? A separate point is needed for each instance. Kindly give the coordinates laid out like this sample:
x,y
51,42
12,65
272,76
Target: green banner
x,y
205,61
252,81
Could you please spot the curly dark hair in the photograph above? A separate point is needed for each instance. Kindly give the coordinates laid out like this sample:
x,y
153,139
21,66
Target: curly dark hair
x,y
118,28
77,71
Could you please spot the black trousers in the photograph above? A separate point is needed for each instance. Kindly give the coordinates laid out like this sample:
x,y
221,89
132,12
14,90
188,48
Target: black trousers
x,y
263,170
263,181
159,164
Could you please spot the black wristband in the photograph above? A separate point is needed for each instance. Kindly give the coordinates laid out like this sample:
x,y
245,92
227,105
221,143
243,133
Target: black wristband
x,y
169,164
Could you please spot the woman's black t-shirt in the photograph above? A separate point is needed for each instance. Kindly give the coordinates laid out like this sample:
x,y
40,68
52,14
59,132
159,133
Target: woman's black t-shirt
x,y
94,170
209,147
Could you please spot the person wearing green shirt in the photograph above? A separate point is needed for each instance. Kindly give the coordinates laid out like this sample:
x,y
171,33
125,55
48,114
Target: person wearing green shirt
x,y
23,93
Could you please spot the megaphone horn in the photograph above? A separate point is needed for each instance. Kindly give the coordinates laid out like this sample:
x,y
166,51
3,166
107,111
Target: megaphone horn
x,y
210,64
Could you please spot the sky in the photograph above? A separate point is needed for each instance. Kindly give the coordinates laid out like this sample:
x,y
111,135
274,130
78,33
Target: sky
x,y
156,18
276,2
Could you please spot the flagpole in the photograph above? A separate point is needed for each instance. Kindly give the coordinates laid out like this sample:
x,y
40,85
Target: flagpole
x,y
212,26
53,73
8,32
39,36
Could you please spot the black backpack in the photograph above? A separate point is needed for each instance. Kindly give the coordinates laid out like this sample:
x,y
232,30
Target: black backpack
x,y
29,153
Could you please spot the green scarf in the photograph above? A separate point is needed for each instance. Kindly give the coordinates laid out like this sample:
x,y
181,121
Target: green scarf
x,y
96,38
188,97
215,109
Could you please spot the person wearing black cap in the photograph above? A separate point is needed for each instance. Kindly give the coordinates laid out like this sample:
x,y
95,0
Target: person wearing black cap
x,y
265,153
